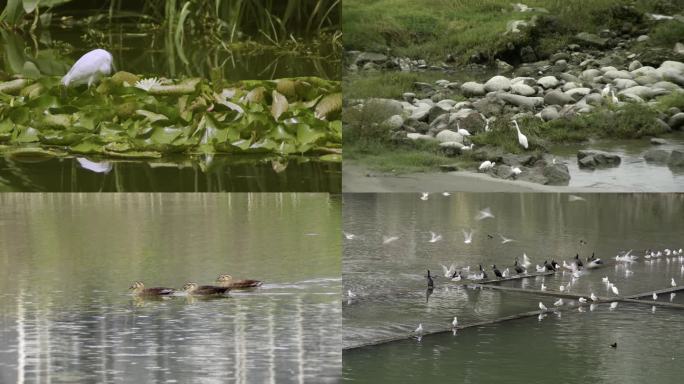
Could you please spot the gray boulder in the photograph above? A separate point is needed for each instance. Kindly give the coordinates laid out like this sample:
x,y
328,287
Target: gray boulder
x,y
384,108
658,141
522,89
370,57
676,159
557,98
449,136
521,101
497,83
394,122
556,174
658,156
472,88
676,121
589,39
597,159
548,82
550,113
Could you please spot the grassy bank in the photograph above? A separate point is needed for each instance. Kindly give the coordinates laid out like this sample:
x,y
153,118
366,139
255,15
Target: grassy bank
x,y
431,29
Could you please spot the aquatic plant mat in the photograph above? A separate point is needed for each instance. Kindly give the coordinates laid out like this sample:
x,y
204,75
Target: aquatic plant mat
x,y
127,117
489,284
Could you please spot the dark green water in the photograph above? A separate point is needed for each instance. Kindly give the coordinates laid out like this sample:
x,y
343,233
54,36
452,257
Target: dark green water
x,y
389,282
67,260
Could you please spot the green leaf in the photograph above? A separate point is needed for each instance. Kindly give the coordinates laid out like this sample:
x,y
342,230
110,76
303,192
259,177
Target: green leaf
x,y
30,5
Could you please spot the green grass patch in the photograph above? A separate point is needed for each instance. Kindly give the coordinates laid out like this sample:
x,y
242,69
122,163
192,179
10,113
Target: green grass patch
x,y
673,100
667,33
406,158
389,85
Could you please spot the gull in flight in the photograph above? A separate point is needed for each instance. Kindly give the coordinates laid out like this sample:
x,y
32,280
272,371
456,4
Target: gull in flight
x,y
389,239
448,272
349,236
542,306
558,302
572,198
505,240
435,237
468,236
446,194
484,214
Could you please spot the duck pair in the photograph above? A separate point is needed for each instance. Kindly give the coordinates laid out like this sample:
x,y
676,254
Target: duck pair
x,y
225,284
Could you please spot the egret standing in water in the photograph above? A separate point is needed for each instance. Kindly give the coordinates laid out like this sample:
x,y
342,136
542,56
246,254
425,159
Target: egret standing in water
x,y
89,68
522,139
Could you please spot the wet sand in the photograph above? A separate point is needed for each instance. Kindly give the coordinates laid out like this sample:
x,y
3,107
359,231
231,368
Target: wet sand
x,y
355,178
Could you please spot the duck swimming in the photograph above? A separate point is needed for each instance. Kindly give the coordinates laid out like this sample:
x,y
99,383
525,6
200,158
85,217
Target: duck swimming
x,y
227,281
139,289
204,290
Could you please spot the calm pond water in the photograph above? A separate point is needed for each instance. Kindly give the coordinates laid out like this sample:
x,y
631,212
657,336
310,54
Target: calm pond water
x,y
221,174
389,282
53,52
68,259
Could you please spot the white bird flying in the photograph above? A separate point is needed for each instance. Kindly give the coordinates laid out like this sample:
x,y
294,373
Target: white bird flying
x,y
468,236
505,240
542,306
435,237
558,302
486,165
89,68
522,139
448,272
484,214
454,323
572,198
446,194
389,239
349,236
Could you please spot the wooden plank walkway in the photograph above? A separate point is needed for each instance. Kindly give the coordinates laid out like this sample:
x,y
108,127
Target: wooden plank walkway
x,y
661,291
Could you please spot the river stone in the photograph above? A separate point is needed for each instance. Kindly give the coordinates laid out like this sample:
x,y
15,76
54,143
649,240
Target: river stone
x,y
503,171
384,108
659,156
679,49
642,38
529,81
557,98
451,148
624,83
550,113
370,57
471,122
594,159
449,136
646,79
472,88
643,92
658,141
548,82
409,96
497,83
673,77
489,105
672,87
676,121
419,136
569,85
612,75
435,112
556,174
590,74
521,101
634,65
578,93
676,159
394,122
522,89
590,39
676,65
421,113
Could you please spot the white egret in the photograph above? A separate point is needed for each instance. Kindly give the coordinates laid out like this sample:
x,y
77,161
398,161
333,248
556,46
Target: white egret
x,y
605,91
89,68
454,323
463,132
522,139
613,98
434,237
486,165
468,147
468,236
542,306
614,289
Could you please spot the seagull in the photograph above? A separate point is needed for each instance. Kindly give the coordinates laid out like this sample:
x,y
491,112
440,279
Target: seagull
x,y
89,68
572,198
516,171
468,236
526,261
419,330
655,296
540,269
605,280
522,139
558,302
613,305
389,239
448,272
505,240
435,237
672,283
454,323
582,300
486,165
562,288
351,294
484,214
543,287
424,196
614,289
446,194
349,236
542,306
593,297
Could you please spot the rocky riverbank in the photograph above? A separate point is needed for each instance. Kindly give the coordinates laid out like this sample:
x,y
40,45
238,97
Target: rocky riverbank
x,y
607,74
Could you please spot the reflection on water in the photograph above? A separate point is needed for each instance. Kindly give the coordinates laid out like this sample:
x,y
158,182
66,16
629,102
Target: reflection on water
x,y
389,281
222,174
68,259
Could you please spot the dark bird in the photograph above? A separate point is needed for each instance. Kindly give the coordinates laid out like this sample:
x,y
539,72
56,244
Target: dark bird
x,y
227,281
578,261
518,268
139,289
204,290
549,267
614,345
484,274
430,283
490,236
555,265
497,273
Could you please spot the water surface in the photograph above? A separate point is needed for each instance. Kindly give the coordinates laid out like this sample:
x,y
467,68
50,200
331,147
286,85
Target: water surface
x,y
68,259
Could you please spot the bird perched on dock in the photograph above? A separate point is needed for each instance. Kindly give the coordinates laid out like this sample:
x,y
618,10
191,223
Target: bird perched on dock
x,y
655,296
517,267
89,68
430,282
522,139
419,330
672,283
482,271
497,273
526,261
424,196
540,269
542,306
593,297
614,345
582,300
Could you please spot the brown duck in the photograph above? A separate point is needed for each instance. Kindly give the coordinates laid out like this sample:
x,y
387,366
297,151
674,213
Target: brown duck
x,y
139,289
227,281
204,290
